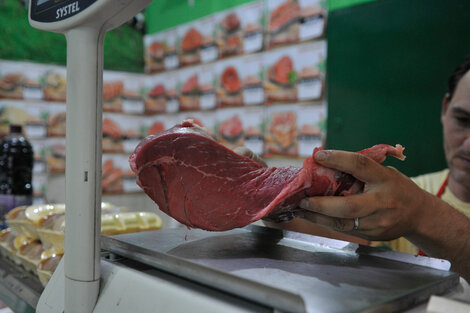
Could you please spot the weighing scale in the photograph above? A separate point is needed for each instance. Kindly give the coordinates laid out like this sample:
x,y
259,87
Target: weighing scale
x,y
254,269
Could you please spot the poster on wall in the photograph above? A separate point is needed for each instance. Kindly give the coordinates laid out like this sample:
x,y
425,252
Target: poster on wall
x,y
253,128
154,54
189,89
310,70
189,42
313,19
229,83
209,49
207,85
252,77
155,94
113,88
280,76
311,125
230,127
133,93
281,131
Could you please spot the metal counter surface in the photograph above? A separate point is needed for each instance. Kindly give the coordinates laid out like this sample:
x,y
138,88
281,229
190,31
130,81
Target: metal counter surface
x,y
291,272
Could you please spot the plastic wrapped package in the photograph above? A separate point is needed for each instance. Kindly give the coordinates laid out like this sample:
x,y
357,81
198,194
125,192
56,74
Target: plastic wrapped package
x,y
49,262
28,252
7,247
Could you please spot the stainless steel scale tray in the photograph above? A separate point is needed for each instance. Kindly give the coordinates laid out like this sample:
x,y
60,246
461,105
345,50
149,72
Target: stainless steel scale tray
x,y
289,271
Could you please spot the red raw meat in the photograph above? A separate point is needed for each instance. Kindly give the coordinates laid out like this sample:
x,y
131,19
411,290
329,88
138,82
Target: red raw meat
x,y
204,185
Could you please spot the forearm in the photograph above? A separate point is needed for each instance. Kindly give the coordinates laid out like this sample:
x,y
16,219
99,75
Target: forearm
x,y
443,233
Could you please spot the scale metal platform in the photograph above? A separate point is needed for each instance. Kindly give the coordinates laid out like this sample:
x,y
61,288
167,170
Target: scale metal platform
x,y
288,271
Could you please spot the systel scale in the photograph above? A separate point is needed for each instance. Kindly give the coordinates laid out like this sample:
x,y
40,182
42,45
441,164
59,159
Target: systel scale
x,y
254,269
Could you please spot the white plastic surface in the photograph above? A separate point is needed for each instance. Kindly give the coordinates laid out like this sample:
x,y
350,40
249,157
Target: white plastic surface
x,y
85,33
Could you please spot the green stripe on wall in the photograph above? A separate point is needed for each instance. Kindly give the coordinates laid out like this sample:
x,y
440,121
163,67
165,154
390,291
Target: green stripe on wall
x,y
165,14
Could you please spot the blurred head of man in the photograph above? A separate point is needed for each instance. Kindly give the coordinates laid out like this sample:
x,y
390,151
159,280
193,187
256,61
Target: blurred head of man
x,y
455,118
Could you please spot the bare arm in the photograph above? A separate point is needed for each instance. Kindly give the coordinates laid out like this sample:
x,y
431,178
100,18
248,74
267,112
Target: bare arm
x,y
390,207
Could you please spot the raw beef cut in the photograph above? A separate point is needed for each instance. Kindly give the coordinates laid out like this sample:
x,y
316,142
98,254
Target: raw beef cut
x,y
204,185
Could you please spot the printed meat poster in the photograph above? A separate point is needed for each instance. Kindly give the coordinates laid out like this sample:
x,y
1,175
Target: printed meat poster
x,y
209,50
39,119
251,74
230,127
282,22
311,125
54,153
313,19
229,83
281,131
171,49
12,79
207,85
155,94
253,129
54,84
171,87
156,124
252,17
310,70
190,42
32,87
229,32
280,75
113,88
122,133
132,95
154,55
117,176
189,89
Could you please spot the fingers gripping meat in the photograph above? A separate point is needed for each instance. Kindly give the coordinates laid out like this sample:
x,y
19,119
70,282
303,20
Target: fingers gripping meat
x,y
202,184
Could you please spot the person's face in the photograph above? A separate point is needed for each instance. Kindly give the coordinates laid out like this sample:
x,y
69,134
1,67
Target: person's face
x,y
455,118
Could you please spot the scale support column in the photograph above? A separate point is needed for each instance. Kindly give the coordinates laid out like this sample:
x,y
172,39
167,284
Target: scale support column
x,y
83,168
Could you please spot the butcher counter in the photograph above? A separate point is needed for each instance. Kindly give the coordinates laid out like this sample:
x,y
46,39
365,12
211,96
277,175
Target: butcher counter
x,y
271,270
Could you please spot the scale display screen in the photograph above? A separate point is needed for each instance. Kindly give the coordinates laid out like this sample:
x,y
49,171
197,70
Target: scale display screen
x,y
50,11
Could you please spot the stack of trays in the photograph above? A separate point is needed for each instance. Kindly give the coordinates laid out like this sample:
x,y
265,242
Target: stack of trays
x,y
35,237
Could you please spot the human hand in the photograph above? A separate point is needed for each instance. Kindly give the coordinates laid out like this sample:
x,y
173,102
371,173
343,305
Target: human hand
x,y
250,154
390,206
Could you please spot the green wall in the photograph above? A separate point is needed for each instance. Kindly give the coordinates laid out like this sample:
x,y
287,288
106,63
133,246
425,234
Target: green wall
x,y
123,49
164,14
388,65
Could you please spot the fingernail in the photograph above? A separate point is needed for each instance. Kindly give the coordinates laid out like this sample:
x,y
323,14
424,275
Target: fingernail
x,y
320,156
304,204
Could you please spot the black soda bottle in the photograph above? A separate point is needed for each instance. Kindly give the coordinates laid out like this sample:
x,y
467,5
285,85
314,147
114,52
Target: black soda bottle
x,y
16,168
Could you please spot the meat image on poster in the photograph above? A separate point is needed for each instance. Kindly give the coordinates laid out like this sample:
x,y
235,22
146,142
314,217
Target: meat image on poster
x,y
112,177
190,43
154,55
310,66
112,96
283,22
229,127
313,20
189,89
251,74
171,52
229,90
55,155
311,128
281,131
229,33
155,99
112,135
280,76
11,80
54,84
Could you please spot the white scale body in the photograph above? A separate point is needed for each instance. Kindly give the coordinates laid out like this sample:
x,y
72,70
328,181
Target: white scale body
x,y
235,279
